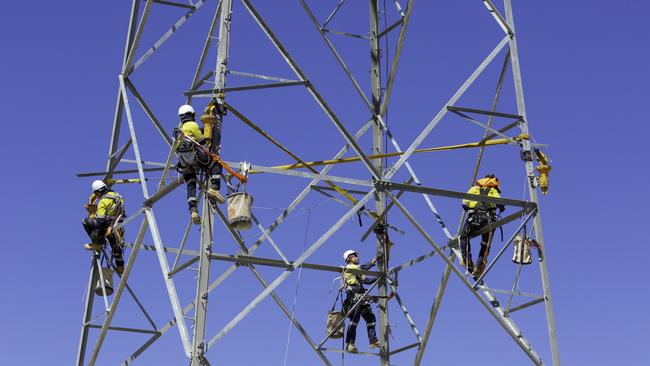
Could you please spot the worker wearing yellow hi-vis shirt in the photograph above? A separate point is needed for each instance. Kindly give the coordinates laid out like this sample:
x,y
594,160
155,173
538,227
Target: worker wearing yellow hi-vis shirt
x,y
479,215
192,157
355,295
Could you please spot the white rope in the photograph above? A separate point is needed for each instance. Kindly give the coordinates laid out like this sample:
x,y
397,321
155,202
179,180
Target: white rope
x,y
295,297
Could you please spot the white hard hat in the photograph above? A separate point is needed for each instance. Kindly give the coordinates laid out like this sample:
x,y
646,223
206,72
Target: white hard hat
x,y
185,108
98,185
347,254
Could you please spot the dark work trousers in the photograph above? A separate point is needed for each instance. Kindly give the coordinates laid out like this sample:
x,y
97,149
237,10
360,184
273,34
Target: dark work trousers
x,y
189,161
365,311
214,169
96,229
475,223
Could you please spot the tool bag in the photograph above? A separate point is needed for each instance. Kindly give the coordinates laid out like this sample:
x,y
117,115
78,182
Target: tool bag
x,y
334,318
107,273
522,251
239,211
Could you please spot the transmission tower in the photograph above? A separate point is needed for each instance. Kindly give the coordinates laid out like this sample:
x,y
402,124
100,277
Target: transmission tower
x,y
381,186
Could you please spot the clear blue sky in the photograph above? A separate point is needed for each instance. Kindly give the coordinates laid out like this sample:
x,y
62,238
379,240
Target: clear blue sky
x,y
584,66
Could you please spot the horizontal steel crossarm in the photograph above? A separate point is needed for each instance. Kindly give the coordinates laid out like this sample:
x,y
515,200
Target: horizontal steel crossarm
x,y
497,313
210,92
311,250
312,90
245,260
325,177
434,122
484,112
123,329
453,194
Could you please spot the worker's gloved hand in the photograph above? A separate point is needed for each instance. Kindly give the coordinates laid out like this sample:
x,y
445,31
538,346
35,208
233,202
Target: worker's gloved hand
x,y
465,207
109,231
90,208
501,208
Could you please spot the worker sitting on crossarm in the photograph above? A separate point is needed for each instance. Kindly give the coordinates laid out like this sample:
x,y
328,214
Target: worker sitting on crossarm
x,y
191,158
105,209
355,292
479,215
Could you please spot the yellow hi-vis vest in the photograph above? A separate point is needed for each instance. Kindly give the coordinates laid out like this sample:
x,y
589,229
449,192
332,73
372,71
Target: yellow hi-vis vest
x,y
477,190
192,130
352,281
109,205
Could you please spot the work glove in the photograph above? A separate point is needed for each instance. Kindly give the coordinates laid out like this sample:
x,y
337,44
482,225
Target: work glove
x,y
465,207
501,208
90,208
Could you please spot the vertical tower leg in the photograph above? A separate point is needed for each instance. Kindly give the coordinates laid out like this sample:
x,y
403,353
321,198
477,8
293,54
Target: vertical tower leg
x,y
88,313
380,199
530,172
199,346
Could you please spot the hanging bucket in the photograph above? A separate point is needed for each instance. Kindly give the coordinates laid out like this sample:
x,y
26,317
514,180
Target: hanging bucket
x,y
239,211
522,251
334,318
107,273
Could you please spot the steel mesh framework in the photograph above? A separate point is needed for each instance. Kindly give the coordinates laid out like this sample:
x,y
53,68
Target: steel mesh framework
x,y
382,187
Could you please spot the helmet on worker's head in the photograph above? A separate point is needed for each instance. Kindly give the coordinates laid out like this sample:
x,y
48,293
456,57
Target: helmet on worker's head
x,y
98,185
490,180
348,253
185,109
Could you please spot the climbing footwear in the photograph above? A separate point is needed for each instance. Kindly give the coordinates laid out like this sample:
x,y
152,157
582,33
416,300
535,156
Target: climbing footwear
x,y
196,219
375,344
351,348
216,195
93,246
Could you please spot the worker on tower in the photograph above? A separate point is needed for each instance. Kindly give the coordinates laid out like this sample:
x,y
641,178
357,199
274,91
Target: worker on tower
x,y
479,215
192,156
105,209
355,292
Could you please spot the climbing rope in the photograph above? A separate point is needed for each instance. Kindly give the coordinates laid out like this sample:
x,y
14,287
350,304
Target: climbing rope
x,y
217,159
295,297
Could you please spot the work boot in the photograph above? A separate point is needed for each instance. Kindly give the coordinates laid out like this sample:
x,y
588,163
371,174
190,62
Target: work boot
x,y
93,246
119,266
375,344
216,195
196,219
479,269
351,348
469,265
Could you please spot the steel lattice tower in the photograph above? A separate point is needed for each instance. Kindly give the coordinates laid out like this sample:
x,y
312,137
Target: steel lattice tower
x,y
380,187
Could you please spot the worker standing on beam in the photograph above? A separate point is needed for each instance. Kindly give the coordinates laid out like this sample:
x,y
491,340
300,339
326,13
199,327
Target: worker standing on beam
x,y
355,292
191,158
105,209
479,216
